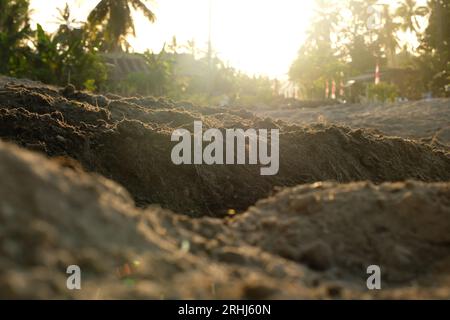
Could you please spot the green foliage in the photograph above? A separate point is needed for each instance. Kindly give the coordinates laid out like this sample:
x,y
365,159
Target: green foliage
x,y
45,62
111,22
319,59
382,92
70,55
181,76
157,80
313,69
341,44
434,62
14,31
90,85
60,58
409,11
337,48
254,90
161,79
65,57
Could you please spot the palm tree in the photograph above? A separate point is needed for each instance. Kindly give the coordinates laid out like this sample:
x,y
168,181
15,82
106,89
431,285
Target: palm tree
x,y
387,36
323,27
409,11
115,21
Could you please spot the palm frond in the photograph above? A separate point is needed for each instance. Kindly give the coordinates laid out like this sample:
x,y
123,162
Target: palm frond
x,y
99,14
422,11
139,5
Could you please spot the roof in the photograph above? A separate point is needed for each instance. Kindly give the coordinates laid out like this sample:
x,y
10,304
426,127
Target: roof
x,y
121,64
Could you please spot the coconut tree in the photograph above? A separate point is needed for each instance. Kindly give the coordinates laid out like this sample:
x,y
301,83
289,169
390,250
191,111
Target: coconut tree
x,y
387,35
113,19
410,11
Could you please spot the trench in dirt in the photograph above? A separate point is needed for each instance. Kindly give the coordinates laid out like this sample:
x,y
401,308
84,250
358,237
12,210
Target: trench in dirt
x,y
332,228
128,141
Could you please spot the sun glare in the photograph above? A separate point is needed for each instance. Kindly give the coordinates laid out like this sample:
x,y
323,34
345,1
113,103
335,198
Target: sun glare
x,y
254,36
258,37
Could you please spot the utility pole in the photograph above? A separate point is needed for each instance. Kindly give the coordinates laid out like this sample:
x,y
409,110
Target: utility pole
x,y
210,30
210,62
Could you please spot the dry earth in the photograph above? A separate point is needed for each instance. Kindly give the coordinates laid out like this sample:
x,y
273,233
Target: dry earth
x,y
425,120
386,202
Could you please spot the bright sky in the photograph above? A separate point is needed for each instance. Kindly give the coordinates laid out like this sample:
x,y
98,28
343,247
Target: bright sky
x,y
254,36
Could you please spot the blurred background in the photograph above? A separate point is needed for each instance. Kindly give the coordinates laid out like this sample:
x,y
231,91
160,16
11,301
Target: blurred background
x,y
229,52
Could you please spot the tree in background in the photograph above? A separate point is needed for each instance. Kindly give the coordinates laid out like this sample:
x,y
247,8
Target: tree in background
x,y
354,46
112,21
318,60
363,52
387,36
157,80
340,44
65,57
434,61
182,73
409,11
14,30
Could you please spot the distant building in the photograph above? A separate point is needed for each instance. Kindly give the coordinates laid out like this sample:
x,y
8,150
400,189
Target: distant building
x,y
121,64
404,79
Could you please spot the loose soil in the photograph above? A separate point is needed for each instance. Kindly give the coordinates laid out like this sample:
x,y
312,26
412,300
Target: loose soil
x,y
92,184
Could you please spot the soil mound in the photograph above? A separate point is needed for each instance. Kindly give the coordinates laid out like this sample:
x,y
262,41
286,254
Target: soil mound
x,y
51,217
292,245
341,229
128,141
425,120
313,240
